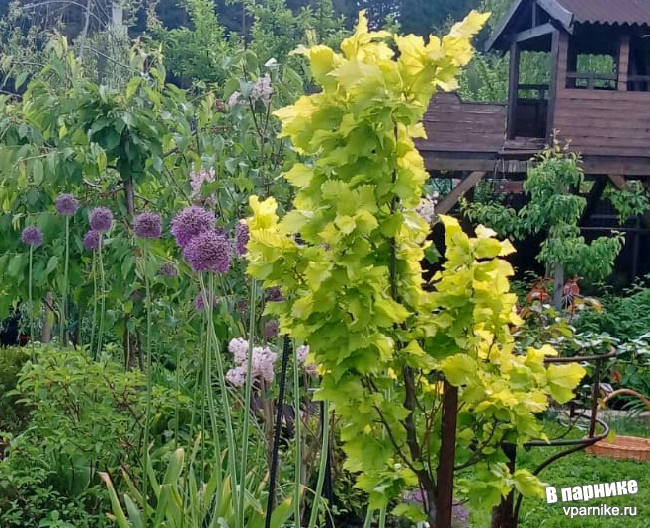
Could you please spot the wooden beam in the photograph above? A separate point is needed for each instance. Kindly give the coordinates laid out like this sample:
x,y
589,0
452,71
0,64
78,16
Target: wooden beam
x,y
459,191
513,89
623,62
557,12
539,31
556,64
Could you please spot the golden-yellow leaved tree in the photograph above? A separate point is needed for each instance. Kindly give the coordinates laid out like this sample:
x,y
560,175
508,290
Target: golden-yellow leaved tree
x,y
348,260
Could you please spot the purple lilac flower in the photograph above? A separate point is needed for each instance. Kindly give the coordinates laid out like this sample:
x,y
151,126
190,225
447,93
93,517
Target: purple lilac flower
x,y
197,179
238,347
301,353
190,222
262,90
66,204
242,237
200,305
262,362
101,219
168,269
208,251
274,294
271,329
32,236
147,225
92,240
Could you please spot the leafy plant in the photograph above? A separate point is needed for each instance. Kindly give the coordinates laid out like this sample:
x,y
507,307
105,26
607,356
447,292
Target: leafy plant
x,y
348,260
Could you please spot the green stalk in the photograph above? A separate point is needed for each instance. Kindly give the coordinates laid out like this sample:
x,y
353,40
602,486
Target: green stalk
x,y
102,285
297,425
248,397
147,422
323,465
382,517
94,322
64,288
369,515
230,437
31,306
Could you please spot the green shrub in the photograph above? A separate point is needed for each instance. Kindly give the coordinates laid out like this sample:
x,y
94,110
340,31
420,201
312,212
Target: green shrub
x,y
84,417
12,413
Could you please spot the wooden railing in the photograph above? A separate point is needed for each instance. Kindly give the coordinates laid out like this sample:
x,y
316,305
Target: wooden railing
x,y
592,81
640,83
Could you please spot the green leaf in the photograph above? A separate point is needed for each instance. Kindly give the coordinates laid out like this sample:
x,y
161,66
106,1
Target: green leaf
x,y
459,369
51,264
563,379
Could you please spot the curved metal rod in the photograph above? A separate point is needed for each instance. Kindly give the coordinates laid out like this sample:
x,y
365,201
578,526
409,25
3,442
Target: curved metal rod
x,y
578,446
578,359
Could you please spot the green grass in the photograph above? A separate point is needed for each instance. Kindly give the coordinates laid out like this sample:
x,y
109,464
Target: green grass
x,y
580,469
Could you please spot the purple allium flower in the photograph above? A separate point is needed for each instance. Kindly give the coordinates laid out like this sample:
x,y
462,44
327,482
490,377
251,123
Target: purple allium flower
x,y
238,347
237,376
242,237
301,354
101,219
208,251
66,204
200,305
274,294
92,240
271,329
168,269
147,225
32,236
190,222
262,362
233,100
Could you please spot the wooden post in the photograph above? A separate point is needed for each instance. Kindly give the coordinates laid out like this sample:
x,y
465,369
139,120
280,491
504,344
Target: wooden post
x,y
559,57
513,89
558,285
623,62
458,192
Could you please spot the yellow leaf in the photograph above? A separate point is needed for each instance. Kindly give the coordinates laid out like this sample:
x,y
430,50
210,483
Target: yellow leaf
x,y
471,25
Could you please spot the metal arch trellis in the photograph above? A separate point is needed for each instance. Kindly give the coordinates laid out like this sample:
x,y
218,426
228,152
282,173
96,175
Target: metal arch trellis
x,y
507,513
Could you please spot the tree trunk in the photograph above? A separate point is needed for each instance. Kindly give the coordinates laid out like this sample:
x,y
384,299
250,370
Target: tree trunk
x,y
447,452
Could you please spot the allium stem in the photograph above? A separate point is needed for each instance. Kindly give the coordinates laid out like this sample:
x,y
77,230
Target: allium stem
x,y
31,306
248,393
369,516
382,517
323,465
297,425
64,293
230,437
94,321
147,420
102,286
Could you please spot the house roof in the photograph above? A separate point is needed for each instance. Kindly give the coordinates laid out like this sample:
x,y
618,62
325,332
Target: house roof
x,y
568,13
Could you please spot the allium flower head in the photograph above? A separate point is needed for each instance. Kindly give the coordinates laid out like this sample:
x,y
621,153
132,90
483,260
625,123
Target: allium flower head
x,y
190,222
200,305
168,269
262,90
101,219
92,240
242,237
208,251
274,294
237,376
147,225
271,329
238,347
66,204
32,236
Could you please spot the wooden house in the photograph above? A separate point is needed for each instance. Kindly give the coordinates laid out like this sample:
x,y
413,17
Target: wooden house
x,y
606,115
604,112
